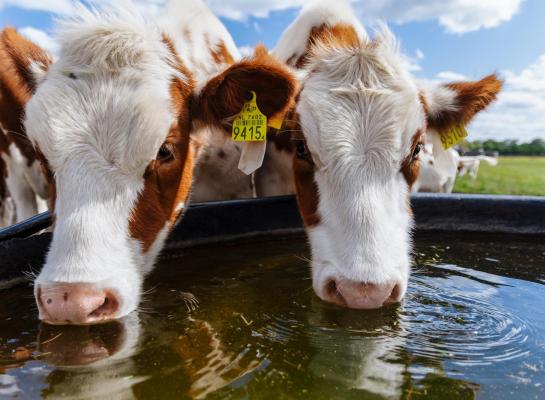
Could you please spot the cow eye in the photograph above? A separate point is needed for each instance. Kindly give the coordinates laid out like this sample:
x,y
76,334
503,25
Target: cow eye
x,y
417,150
301,149
165,153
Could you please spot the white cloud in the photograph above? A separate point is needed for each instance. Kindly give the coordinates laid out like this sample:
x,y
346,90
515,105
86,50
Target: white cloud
x,y
41,38
413,62
241,9
519,112
246,51
62,7
449,76
456,16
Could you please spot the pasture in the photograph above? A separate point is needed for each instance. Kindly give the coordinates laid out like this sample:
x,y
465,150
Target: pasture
x,y
512,176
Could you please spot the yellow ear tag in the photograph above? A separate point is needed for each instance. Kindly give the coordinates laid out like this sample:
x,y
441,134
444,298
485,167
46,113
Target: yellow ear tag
x,y
453,136
250,125
276,121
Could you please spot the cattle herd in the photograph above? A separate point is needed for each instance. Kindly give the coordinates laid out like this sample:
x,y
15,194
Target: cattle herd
x,y
133,120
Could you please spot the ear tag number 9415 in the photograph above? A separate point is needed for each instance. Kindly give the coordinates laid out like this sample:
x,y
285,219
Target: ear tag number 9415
x,y
250,125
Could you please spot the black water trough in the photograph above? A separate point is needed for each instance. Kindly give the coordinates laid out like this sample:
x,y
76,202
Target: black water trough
x,y
21,250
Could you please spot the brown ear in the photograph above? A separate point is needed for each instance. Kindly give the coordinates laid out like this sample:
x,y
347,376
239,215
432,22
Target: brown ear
x,y
224,95
457,103
19,58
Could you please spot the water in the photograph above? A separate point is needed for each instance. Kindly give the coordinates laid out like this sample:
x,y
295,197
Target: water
x,y
472,325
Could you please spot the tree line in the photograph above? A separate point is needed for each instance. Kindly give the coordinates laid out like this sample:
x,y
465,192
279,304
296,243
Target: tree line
x,y
506,147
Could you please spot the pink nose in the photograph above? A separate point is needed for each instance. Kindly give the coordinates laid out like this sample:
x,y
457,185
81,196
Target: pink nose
x,y
75,303
364,296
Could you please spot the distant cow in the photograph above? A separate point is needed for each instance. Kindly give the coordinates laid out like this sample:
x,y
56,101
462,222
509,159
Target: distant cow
x,y
470,165
354,137
117,120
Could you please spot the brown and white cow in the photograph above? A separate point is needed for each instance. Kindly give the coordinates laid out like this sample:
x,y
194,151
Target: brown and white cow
x,y
355,137
117,119
23,175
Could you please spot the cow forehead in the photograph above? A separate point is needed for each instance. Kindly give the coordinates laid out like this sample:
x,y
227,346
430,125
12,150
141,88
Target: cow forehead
x,y
361,103
360,127
116,117
109,93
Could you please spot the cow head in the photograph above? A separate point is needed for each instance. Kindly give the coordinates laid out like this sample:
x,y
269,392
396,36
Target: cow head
x,y
112,119
363,120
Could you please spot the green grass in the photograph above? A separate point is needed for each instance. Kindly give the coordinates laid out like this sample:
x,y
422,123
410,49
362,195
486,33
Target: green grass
x,y
512,175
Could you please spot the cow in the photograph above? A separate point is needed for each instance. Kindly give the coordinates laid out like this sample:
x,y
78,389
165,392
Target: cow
x,y
354,137
23,174
470,165
117,121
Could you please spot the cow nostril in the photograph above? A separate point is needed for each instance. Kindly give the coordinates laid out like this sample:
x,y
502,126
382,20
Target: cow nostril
x,y
49,301
65,296
394,295
331,288
108,307
333,293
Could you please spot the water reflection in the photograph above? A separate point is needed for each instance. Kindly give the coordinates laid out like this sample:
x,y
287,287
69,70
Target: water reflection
x,y
207,362
79,362
259,332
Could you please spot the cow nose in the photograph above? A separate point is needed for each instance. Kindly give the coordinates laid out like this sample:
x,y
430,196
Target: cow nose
x,y
75,303
363,296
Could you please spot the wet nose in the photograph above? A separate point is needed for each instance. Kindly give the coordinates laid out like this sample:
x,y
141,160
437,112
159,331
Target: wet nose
x,y
363,296
75,303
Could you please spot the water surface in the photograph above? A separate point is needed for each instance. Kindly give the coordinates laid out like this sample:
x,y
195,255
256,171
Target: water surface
x,y
241,321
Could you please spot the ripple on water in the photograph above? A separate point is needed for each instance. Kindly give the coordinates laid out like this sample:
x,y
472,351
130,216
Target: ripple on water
x,y
460,317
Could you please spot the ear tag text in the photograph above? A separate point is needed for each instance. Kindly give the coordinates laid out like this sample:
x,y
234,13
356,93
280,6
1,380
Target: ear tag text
x,y
453,136
250,125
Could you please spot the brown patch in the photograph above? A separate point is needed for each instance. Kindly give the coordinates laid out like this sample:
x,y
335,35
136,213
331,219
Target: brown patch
x,y
221,55
17,84
471,98
307,191
340,35
224,95
411,166
167,183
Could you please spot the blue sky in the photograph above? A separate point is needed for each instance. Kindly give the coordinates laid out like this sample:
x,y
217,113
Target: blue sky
x,y
445,40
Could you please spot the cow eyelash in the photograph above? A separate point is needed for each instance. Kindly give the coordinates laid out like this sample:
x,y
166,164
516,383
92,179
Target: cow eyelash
x,y
302,153
419,147
165,153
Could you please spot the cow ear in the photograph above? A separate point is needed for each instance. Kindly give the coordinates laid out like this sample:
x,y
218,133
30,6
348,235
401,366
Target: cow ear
x,y
452,104
223,96
22,59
